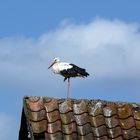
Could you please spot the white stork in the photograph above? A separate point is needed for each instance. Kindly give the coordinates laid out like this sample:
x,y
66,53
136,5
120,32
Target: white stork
x,y
67,70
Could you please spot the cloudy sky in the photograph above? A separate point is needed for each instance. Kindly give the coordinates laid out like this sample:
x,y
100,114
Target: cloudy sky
x,y
103,37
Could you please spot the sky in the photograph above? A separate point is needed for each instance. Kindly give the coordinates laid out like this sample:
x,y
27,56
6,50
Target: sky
x,y
101,36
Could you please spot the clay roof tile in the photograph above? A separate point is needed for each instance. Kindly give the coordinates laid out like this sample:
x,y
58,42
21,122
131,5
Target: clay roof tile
x,y
47,118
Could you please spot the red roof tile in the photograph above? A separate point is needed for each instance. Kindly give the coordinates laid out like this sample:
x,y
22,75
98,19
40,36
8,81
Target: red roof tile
x,y
61,119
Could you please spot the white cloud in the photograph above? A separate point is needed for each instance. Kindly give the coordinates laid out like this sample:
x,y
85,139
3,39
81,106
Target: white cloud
x,y
7,127
107,49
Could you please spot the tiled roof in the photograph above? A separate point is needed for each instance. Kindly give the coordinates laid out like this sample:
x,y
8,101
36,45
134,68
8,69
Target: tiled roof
x,y
61,119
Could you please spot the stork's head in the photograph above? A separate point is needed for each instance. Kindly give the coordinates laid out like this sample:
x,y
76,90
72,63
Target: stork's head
x,y
56,60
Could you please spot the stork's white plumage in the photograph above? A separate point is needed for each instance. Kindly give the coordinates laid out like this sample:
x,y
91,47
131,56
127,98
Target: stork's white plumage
x,y
67,70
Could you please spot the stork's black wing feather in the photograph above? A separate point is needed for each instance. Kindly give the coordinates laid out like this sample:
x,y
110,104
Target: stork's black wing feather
x,y
79,71
74,72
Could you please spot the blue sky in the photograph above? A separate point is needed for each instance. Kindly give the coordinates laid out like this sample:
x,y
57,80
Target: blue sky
x,y
101,36
32,18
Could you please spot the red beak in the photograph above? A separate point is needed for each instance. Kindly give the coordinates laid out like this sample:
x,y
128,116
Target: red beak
x,y
51,65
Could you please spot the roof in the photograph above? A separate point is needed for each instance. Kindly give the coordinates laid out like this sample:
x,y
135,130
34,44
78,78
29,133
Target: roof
x,y
47,118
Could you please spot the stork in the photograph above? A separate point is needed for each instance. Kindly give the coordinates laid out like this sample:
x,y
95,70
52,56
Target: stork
x,y
67,70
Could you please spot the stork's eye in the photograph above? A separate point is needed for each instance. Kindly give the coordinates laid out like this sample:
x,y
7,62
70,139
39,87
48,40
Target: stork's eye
x,y
56,59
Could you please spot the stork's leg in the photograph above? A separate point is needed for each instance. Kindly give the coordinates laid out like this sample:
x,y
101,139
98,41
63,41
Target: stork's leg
x,y
68,92
65,79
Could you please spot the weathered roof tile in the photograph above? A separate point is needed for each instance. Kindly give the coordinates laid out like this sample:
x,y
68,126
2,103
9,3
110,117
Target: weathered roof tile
x,y
72,136
100,131
39,127
81,107
137,124
65,106
35,105
112,121
84,129
110,110
69,128
102,138
53,116
95,108
54,127
117,138
68,119
127,123
37,116
97,120
54,136
130,133
138,134
136,112
86,137
82,119
51,106
114,132
125,111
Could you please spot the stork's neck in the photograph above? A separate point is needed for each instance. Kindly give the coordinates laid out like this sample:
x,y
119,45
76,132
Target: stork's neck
x,y
55,68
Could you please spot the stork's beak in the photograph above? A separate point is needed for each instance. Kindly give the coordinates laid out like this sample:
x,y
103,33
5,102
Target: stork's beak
x,y
51,65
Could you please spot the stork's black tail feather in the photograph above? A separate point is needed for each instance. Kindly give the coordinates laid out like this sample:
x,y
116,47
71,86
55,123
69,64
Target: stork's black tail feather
x,y
80,71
